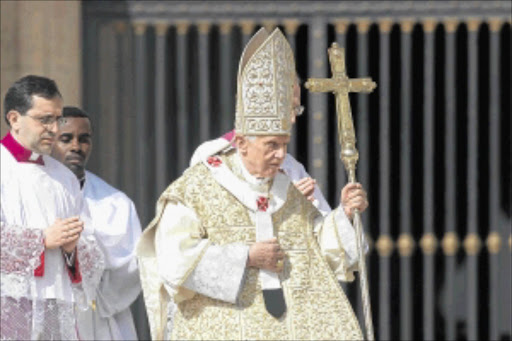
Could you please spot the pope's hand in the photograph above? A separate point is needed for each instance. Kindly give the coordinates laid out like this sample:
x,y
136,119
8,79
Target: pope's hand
x,y
266,255
353,197
63,232
306,186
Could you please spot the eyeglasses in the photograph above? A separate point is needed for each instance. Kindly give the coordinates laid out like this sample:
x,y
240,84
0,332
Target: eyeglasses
x,y
48,121
298,110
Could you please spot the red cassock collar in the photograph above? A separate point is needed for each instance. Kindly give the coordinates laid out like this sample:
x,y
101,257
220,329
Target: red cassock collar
x,y
20,153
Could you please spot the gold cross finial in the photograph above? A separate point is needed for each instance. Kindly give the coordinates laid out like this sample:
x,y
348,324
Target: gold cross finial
x,y
340,85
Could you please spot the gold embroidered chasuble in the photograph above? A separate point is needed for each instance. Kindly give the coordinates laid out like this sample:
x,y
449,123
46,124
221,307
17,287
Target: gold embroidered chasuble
x,y
317,308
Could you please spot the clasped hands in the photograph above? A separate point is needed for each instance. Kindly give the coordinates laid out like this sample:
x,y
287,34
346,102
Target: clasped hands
x,y
266,255
63,233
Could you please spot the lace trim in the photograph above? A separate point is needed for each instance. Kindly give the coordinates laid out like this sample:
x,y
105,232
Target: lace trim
x,y
220,272
92,264
14,285
20,249
24,319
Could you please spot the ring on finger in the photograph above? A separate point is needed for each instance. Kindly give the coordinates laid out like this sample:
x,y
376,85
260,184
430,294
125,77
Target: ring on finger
x,y
279,264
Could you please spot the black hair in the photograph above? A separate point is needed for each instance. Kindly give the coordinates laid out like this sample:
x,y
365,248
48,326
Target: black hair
x,y
76,112
19,95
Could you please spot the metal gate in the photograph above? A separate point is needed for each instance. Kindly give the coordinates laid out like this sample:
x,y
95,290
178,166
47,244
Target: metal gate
x,y
434,137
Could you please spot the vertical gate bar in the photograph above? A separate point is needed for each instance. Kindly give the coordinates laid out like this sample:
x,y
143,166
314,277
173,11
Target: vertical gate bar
x,y
111,164
363,126
247,27
428,179
363,135
140,119
290,27
141,147
182,96
472,185
340,27
204,80
161,142
109,116
227,94
406,313
494,174
104,96
128,107
90,88
120,32
317,66
114,113
450,174
384,180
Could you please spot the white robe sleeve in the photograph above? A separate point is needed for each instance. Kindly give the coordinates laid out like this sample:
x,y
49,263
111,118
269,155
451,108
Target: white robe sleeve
x,y
91,259
120,284
337,239
188,260
20,254
21,249
296,171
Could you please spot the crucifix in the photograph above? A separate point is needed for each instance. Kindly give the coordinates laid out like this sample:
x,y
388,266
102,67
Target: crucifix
x,y
340,85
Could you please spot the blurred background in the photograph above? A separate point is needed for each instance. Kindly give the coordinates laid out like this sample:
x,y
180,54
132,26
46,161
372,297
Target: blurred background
x,y
159,78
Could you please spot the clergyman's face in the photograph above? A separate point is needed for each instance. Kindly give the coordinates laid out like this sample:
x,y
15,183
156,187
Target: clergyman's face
x,y
74,144
264,155
37,128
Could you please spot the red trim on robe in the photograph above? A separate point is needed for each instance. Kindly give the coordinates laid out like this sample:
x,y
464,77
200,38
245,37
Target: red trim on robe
x,y
20,153
76,276
39,271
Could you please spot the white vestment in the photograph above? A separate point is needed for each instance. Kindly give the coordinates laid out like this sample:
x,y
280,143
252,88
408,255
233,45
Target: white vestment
x,y
42,306
117,230
291,167
188,265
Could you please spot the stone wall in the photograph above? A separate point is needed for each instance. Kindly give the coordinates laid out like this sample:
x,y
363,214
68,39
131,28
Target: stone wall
x,y
43,38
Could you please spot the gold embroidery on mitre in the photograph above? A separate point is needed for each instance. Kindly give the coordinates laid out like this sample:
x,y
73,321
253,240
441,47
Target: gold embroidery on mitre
x,y
266,75
317,306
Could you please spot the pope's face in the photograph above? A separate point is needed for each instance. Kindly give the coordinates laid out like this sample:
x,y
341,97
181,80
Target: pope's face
x,y
74,144
263,155
37,128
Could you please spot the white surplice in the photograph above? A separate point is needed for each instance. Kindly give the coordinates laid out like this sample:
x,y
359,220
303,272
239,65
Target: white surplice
x,y
33,196
291,167
117,230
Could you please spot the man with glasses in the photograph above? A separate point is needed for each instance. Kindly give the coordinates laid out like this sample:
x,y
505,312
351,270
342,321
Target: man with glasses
x,y
291,167
50,261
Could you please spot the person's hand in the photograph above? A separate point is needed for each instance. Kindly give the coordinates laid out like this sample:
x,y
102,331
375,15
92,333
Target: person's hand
x,y
63,232
69,247
306,186
353,196
266,255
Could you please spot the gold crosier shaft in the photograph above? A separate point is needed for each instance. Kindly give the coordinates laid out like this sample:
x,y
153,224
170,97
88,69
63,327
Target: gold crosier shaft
x,y
340,85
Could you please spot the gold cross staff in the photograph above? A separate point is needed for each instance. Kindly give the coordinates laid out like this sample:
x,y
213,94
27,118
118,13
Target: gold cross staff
x,y
340,85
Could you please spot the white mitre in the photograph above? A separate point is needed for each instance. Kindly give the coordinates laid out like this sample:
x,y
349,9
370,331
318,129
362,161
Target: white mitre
x,y
266,75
